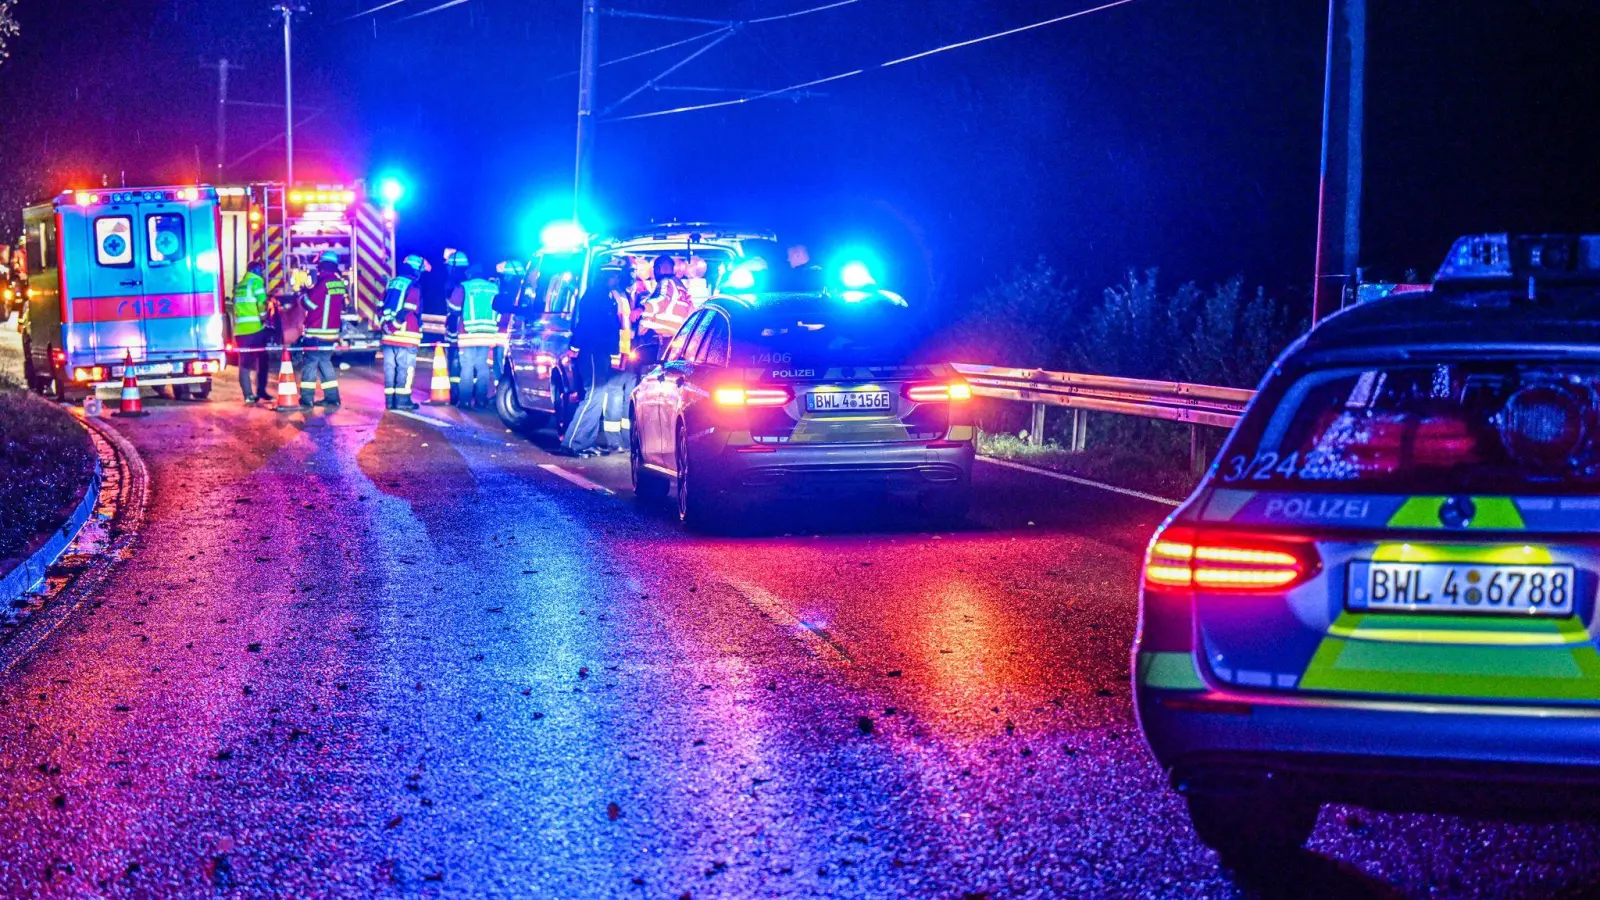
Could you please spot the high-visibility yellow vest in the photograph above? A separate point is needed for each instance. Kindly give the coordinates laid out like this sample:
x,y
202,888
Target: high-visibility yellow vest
x,y
249,303
480,325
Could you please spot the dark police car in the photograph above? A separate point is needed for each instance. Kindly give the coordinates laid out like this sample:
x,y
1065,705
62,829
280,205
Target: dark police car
x,y
815,393
1384,592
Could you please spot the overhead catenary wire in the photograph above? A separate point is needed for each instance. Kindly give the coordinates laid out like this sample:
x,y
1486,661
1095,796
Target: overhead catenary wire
x,y
883,65
378,8
434,9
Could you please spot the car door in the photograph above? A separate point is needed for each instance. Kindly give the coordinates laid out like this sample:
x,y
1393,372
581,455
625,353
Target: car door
x,y
661,385
707,353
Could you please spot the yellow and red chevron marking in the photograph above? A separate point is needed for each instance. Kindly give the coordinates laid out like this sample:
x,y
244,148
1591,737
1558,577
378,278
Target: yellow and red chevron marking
x,y
373,266
275,253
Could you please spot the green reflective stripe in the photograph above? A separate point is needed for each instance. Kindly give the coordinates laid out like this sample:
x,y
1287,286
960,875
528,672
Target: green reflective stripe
x,y
1173,671
1499,513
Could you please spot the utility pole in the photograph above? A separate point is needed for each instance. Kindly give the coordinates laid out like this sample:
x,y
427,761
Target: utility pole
x,y
588,67
1339,199
222,68
288,9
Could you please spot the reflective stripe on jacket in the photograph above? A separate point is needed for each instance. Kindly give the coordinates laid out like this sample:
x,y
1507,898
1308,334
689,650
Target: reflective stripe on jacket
x,y
480,326
667,308
249,304
324,305
402,326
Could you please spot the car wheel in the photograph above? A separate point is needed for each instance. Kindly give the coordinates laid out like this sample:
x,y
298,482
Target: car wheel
x,y
511,412
201,391
698,508
648,486
1252,830
180,392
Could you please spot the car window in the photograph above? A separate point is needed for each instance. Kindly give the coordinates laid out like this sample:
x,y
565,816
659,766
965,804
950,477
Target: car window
x,y
113,241
675,348
694,349
164,244
713,347
1497,426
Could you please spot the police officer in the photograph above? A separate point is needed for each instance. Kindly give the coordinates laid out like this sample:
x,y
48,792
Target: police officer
x,y
402,332
248,309
596,338
324,304
472,305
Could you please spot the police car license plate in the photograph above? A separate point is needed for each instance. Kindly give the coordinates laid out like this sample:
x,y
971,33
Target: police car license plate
x,y
1462,588
847,401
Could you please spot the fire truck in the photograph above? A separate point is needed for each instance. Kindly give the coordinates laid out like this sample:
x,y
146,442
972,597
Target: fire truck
x,y
120,273
286,229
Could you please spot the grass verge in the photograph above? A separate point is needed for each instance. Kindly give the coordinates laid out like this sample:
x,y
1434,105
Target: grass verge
x,y
1164,474
46,461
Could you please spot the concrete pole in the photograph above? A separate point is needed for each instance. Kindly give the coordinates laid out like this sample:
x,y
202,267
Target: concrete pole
x,y
222,115
1339,189
288,11
588,68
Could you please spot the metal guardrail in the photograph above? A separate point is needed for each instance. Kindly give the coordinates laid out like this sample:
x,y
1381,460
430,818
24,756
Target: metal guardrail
x,y
1173,401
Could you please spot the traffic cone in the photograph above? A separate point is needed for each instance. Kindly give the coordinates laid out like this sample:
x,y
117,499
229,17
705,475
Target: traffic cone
x,y
131,404
439,385
288,385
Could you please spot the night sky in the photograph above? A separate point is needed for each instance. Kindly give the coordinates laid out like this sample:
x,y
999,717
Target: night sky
x,y
1173,133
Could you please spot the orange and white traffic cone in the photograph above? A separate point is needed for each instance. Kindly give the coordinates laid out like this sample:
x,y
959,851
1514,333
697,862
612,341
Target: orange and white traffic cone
x,y
288,385
439,385
131,405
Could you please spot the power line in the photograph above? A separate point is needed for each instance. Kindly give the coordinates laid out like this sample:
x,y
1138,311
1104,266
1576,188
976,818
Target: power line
x,y
368,12
803,12
434,9
883,65
632,56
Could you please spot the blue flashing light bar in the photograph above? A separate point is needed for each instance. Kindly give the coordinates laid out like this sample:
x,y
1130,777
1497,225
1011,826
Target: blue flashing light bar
x,y
1516,257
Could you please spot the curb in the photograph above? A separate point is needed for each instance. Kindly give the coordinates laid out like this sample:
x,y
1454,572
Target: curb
x,y
29,574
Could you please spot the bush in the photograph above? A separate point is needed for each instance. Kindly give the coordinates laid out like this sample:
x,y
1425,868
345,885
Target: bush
x,y
46,459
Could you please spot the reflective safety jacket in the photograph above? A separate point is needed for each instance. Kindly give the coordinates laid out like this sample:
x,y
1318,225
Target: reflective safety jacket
x,y
324,305
666,309
249,304
473,301
402,324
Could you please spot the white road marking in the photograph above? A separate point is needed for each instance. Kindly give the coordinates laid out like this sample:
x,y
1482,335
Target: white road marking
x,y
429,419
575,478
816,640
1086,482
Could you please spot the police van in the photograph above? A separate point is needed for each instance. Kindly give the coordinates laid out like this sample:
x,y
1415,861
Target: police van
x,y
119,274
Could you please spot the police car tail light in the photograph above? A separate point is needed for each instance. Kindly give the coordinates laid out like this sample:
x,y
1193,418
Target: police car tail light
x,y
1183,557
956,391
734,396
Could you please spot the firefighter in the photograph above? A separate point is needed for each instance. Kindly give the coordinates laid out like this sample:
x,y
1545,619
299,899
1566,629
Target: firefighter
x,y
509,294
402,332
596,339
248,310
472,305
324,304
455,267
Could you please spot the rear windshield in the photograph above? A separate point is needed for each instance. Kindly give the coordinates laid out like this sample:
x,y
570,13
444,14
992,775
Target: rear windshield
x,y
1471,426
882,336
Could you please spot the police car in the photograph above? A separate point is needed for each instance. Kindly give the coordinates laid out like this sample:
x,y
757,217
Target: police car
x,y
1383,592
802,394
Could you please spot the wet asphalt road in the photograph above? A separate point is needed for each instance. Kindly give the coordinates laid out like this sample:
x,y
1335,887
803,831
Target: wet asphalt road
x,y
362,655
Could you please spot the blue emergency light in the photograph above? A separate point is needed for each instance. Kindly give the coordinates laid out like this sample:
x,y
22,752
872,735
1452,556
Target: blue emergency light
x,y
1487,258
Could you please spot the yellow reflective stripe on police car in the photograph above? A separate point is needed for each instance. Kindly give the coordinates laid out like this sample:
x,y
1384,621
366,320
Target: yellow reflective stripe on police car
x,y
1173,671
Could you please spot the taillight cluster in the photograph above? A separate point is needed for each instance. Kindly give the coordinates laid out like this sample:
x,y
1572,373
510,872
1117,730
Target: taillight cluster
x,y
89,373
938,393
1184,557
739,396
204,367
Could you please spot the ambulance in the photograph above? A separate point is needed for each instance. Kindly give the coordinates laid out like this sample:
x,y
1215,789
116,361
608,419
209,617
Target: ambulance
x,y
288,228
123,273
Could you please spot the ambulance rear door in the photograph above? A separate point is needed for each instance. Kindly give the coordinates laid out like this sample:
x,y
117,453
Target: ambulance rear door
x,y
178,255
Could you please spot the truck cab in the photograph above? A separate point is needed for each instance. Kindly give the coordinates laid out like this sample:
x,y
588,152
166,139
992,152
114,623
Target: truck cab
x,y
119,274
538,385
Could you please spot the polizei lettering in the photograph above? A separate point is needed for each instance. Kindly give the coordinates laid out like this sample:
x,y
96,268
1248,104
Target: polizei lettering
x,y
1320,509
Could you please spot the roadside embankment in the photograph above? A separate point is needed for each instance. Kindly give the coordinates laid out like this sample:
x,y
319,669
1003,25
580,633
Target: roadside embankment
x,y
47,463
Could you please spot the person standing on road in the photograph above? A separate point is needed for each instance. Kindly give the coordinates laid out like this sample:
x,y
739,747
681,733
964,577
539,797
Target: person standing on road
x,y
455,267
402,332
597,340
324,304
248,310
472,303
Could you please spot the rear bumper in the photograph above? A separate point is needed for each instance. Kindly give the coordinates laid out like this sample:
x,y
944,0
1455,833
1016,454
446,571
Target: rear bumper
x,y
1419,756
910,467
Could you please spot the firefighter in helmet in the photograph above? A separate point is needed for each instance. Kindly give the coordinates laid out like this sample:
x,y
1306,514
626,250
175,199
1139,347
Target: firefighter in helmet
x,y
401,321
324,305
478,330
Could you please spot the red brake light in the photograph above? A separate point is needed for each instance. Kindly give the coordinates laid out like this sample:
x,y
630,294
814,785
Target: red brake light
x,y
1182,557
202,367
89,373
733,396
938,393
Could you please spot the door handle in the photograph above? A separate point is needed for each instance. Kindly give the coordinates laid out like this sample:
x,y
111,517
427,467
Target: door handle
x,y
134,283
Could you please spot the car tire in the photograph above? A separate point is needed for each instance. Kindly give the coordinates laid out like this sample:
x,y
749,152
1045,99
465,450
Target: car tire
x,y
648,487
511,412
181,392
201,391
1254,830
698,508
